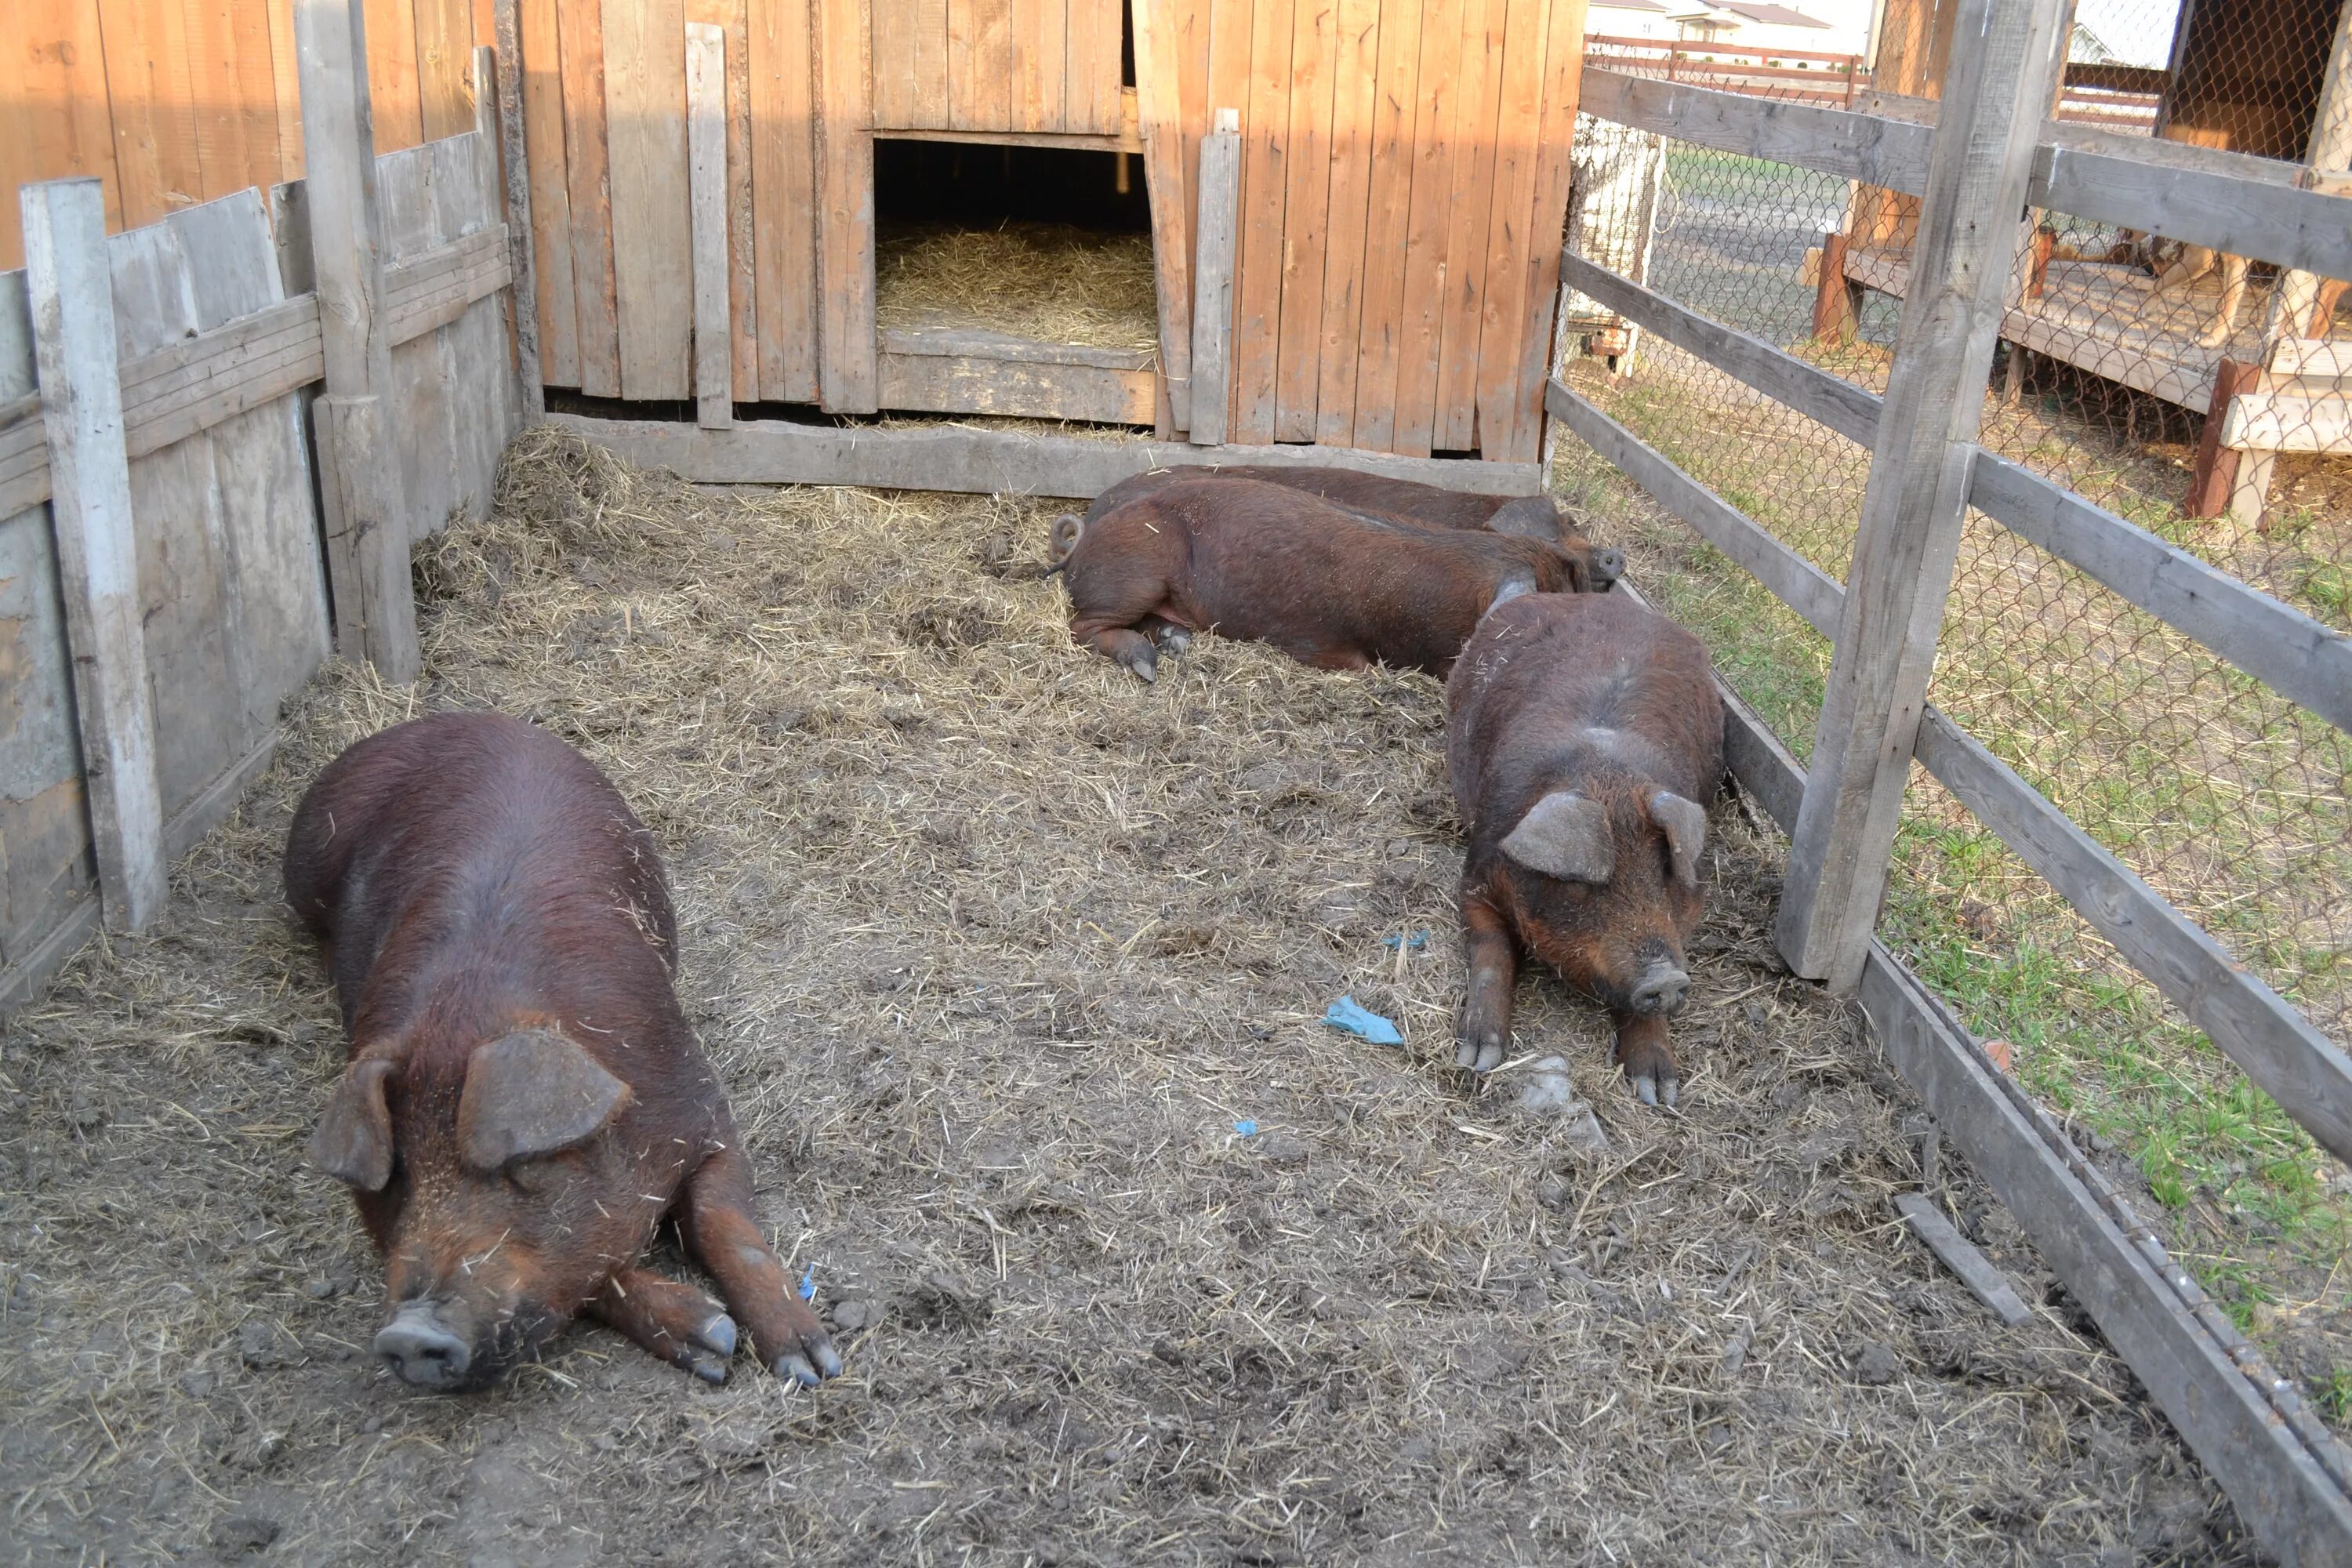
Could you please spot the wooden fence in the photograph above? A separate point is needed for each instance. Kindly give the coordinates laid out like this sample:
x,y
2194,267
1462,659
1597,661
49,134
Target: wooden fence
x,y
174,560
1988,154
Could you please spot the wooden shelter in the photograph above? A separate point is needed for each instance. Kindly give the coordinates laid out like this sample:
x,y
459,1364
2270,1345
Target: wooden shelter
x,y
1391,229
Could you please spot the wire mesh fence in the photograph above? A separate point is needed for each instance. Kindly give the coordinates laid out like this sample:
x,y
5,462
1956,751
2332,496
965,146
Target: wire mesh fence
x,y
2203,397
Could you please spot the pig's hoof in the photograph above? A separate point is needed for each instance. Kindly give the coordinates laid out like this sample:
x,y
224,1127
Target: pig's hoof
x,y
718,1336
809,1369
1145,664
711,1369
1659,1087
1480,1053
1175,642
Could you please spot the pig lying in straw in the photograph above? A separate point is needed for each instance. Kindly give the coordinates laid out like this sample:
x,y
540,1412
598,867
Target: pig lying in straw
x,y
1584,739
1327,585
524,1101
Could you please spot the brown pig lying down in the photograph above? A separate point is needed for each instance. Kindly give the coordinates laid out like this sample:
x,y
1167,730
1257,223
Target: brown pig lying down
x,y
524,1102
1585,739
1327,585
1390,500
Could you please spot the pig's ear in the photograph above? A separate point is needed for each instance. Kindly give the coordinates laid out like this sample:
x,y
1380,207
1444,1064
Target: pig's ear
x,y
1564,835
1685,824
354,1139
532,1093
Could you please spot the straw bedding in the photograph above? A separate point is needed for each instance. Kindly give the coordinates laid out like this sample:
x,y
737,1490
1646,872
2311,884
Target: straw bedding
x,y
1047,282
995,949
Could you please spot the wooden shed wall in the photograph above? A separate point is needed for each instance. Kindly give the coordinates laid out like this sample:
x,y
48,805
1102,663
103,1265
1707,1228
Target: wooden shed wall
x,y
173,102
1403,190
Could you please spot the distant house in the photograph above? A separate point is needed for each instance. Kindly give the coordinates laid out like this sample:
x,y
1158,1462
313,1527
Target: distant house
x,y
1744,25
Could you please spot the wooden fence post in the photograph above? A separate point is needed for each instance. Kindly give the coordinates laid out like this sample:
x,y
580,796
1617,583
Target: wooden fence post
x,y
1995,96
367,527
71,291
498,116
1212,277
706,180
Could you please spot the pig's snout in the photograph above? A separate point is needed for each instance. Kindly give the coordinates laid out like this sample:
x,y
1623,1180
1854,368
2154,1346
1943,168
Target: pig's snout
x,y
1608,565
421,1350
1662,990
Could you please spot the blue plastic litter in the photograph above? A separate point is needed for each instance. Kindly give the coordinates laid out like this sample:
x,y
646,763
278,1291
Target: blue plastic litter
x,y
1348,1015
1418,939
1246,1128
808,1284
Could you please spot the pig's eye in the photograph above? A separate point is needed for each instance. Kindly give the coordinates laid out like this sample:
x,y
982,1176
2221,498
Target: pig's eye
x,y
531,1176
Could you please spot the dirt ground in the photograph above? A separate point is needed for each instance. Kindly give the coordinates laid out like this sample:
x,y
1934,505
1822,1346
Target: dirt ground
x,y
999,954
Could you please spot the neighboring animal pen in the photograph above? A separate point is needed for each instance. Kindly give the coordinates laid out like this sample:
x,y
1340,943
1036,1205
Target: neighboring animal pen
x,y
214,469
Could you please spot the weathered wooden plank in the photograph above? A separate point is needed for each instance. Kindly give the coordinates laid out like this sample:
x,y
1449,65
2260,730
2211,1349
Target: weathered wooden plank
x,y
898,78
849,379
1548,232
444,71
55,78
1258,269
232,94
963,38
2289,421
1159,106
1217,226
1848,409
1128,141
645,100
1388,214
2299,1512
151,102
1421,318
1793,579
485,392
1873,149
539,148
74,333
1306,202
950,457
424,416
1518,121
929,56
2221,202
23,978
978,383
367,546
2297,656
982,343
1913,508
2312,357
733,18
1039,37
783,197
237,386
1355,81
498,94
705,111
991,66
1470,264
587,170
2262,1033
1959,1254
1092,88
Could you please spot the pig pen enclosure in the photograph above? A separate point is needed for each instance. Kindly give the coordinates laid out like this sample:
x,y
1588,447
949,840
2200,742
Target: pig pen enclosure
x,y
1015,970
1003,957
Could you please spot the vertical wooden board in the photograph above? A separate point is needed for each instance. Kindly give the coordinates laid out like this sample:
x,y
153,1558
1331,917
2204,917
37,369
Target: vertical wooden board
x,y
275,599
477,371
1090,94
1047,98
1548,231
1509,225
848,379
732,17
1428,226
897,87
1027,97
1160,113
53,115
991,64
183,549
1355,81
1257,283
783,198
550,196
45,850
286,88
587,167
445,55
706,164
393,96
233,94
1298,350
1387,212
1468,261
645,106
418,401
964,45
150,98
928,65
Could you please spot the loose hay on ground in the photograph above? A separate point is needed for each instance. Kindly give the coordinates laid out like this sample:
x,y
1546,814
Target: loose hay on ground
x,y
993,948
1048,282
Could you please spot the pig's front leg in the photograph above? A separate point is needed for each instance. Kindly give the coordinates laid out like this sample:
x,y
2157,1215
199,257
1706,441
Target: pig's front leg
x,y
670,1319
1648,1059
1493,969
721,1235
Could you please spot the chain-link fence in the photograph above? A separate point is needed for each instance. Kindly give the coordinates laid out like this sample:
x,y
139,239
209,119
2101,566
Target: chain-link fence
x,y
2203,397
